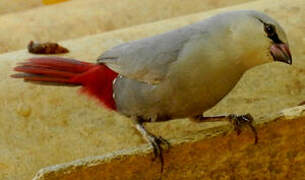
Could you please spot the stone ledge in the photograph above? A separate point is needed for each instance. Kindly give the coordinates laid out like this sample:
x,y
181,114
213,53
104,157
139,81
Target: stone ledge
x,y
221,155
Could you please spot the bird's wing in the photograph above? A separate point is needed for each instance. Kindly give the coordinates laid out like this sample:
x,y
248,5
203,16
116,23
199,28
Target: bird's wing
x,y
147,60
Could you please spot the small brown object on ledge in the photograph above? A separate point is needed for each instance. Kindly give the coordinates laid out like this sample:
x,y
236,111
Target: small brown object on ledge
x,y
301,103
46,48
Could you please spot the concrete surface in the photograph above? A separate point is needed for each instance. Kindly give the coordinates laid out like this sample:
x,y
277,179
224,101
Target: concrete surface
x,y
10,6
278,155
43,125
78,18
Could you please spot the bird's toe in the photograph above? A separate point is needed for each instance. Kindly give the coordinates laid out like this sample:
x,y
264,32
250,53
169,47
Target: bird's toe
x,y
239,121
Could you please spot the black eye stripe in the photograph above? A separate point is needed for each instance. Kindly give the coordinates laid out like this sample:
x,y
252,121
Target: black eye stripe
x,y
271,32
274,37
269,29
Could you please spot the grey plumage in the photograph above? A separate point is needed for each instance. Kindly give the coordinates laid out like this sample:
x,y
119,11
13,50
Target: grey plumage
x,y
184,72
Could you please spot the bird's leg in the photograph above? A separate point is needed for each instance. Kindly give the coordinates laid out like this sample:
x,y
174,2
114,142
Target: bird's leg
x,y
154,141
237,120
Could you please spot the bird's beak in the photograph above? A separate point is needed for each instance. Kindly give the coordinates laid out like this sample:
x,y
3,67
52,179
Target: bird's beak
x,y
280,52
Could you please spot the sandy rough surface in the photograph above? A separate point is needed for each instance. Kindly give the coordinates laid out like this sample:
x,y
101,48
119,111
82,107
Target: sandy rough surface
x,y
205,156
78,18
10,6
42,126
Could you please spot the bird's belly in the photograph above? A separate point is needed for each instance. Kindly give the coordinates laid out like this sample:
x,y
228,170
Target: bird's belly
x,y
180,98
193,98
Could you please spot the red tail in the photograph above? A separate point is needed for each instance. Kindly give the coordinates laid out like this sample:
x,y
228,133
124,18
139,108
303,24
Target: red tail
x,y
96,79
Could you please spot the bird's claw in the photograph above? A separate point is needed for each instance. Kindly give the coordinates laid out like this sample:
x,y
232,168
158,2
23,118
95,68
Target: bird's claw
x,y
242,120
156,142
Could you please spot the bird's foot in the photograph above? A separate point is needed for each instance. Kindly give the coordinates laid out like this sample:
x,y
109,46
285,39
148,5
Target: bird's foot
x,y
243,120
156,143
237,120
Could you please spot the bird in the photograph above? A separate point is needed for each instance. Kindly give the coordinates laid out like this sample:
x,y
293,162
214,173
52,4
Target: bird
x,y
177,74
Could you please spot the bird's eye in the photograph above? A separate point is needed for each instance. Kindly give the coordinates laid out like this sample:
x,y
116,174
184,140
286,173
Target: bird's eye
x,y
269,29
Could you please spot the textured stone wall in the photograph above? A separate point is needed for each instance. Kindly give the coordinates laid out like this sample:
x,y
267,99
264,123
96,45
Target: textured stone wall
x,y
278,155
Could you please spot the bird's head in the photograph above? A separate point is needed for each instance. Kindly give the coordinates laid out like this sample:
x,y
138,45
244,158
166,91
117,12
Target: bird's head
x,y
261,37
